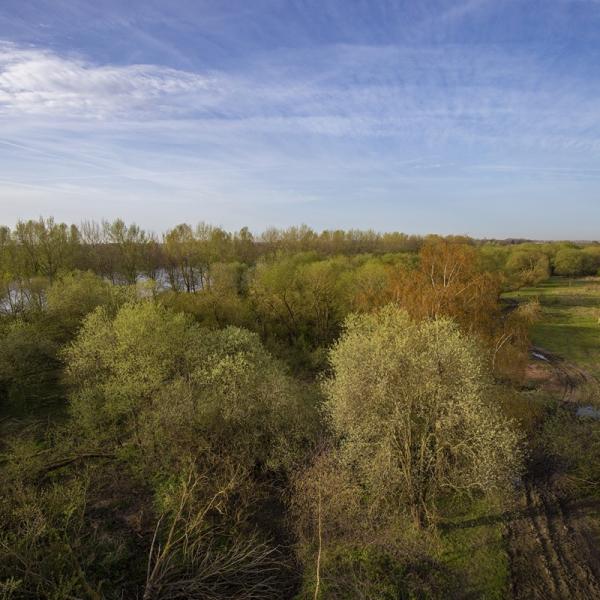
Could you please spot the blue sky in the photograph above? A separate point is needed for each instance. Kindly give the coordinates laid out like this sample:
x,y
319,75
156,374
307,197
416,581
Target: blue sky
x,y
475,116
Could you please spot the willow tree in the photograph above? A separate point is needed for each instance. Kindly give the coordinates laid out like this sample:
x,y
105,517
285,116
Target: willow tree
x,y
153,380
410,404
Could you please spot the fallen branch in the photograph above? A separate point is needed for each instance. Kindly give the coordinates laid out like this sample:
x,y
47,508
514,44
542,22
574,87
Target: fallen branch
x,y
73,459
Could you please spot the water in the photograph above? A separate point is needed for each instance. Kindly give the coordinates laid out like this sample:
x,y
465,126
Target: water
x,y
589,412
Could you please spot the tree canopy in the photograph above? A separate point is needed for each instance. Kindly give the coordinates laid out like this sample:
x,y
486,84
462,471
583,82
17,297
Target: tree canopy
x,y
410,402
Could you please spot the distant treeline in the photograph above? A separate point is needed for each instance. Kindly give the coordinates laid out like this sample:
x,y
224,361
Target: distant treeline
x,y
182,257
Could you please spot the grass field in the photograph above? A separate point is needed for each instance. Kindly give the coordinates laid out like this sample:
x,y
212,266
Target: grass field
x,y
570,320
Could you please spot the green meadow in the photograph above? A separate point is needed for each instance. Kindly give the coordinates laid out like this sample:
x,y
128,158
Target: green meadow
x,y
570,319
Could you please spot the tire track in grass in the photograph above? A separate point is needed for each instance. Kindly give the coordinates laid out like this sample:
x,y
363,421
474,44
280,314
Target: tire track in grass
x,y
551,547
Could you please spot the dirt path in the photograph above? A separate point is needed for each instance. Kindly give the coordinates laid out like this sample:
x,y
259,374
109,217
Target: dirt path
x,y
568,376
552,549
553,544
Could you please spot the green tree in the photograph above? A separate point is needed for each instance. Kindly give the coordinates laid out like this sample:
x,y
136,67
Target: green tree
x,y
244,246
30,363
277,297
29,366
323,297
130,241
368,285
528,267
157,382
182,254
410,404
72,297
593,254
573,262
46,247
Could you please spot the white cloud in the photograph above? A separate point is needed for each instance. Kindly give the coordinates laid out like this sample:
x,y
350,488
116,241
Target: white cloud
x,y
39,82
419,94
298,102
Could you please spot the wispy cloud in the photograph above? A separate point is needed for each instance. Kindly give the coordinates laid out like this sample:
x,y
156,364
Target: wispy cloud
x,y
39,82
427,94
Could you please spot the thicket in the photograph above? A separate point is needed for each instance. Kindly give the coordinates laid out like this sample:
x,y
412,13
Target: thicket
x,y
215,415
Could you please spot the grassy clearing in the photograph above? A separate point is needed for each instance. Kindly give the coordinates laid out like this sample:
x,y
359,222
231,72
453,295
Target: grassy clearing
x,y
473,545
570,323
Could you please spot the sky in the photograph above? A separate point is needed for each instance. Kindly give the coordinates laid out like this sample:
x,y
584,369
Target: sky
x,y
477,117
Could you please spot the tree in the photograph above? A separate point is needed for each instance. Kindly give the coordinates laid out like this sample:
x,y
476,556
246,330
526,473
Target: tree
x,y
449,281
182,254
47,247
528,266
244,246
572,262
409,403
593,258
369,285
321,284
155,381
219,305
29,366
276,294
129,242
72,297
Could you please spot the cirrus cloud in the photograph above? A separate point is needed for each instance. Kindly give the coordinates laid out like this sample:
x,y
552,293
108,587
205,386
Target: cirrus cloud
x,y
36,81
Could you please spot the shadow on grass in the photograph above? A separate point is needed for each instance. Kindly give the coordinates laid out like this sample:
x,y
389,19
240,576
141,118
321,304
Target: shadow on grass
x,y
508,516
